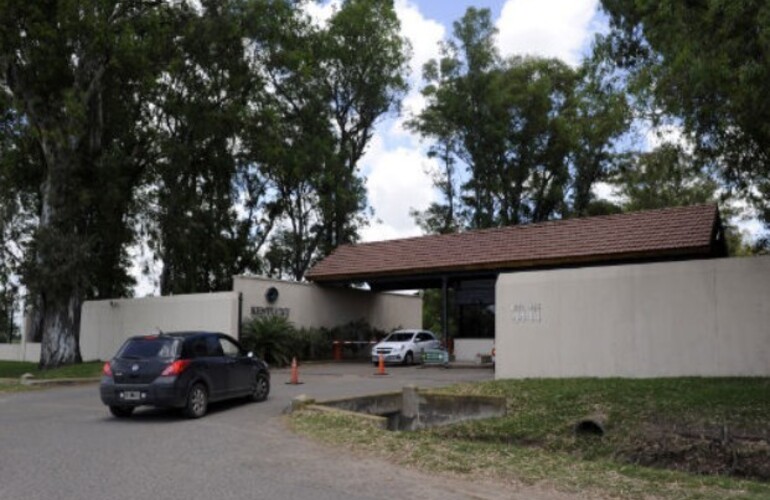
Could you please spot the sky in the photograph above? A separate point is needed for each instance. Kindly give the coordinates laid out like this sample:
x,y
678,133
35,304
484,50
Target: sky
x,y
396,165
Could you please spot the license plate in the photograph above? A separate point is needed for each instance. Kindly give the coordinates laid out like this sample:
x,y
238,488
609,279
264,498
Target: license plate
x,y
132,395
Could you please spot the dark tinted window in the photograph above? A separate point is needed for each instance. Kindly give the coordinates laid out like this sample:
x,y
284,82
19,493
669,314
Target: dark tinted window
x,y
399,337
213,347
195,348
150,347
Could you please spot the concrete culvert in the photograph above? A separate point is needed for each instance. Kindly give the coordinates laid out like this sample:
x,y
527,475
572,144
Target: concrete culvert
x,y
593,425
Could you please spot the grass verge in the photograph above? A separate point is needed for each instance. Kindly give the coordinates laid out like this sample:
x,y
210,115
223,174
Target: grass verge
x,y
13,370
693,420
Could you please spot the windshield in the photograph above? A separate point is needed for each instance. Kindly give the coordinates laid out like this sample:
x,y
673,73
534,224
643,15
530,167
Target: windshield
x,y
148,348
399,337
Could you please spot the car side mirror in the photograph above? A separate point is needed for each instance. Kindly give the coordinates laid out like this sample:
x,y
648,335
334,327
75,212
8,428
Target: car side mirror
x,y
249,354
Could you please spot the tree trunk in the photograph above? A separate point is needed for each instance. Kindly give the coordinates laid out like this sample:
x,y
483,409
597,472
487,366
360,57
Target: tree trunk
x,y
61,327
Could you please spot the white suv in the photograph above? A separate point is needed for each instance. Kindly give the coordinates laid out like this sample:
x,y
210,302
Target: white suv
x,y
404,346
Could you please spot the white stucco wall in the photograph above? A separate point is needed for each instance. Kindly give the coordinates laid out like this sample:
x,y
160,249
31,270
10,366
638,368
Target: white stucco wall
x,y
106,324
471,350
25,351
309,305
706,317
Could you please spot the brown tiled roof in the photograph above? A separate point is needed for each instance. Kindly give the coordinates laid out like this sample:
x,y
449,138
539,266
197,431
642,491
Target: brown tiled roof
x,y
670,232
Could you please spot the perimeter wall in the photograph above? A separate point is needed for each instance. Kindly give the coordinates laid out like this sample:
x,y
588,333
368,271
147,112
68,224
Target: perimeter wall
x,y
106,324
692,318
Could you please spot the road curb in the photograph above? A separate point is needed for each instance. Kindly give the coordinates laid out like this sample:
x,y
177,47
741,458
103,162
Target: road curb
x,y
52,382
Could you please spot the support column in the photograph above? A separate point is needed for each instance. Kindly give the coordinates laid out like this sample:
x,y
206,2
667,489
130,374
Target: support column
x,y
444,312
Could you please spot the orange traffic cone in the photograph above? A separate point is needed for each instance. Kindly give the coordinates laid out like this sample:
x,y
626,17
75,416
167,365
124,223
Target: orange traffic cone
x,y
381,366
294,373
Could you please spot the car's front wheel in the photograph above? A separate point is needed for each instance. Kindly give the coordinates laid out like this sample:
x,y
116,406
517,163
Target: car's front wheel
x,y
121,411
197,401
261,388
409,358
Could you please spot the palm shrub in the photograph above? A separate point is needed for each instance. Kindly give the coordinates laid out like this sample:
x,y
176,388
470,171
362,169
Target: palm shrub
x,y
272,338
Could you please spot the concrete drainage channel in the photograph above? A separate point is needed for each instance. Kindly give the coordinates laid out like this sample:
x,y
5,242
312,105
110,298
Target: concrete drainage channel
x,y
410,409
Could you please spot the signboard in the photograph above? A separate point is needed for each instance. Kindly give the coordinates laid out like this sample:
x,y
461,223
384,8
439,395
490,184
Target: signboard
x,y
267,312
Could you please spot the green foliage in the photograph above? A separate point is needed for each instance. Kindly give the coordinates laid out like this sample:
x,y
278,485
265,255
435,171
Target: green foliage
x,y
75,78
664,177
196,126
534,134
277,340
272,338
332,84
203,104
706,65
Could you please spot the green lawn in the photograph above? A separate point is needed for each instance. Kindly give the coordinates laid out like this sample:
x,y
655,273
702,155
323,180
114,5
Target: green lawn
x,y
667,438
15,369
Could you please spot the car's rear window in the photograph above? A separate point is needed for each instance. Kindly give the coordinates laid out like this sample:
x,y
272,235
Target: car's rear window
x,y
148,348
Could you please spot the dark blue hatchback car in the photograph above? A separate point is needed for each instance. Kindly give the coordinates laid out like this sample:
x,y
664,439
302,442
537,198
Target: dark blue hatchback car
x,y
186,370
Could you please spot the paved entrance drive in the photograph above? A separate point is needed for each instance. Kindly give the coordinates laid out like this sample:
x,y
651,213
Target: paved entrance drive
x,y
62,444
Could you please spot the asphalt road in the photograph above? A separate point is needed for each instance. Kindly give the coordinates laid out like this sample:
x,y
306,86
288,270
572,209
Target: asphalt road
x,y
62,444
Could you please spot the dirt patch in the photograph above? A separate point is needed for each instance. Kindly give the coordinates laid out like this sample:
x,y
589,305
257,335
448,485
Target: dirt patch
x,y
716,451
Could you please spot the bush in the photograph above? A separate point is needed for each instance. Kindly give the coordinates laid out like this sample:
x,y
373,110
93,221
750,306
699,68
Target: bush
x,y
277,341
271,338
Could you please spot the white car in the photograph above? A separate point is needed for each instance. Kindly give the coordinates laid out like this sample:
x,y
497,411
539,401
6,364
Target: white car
x,y
404,346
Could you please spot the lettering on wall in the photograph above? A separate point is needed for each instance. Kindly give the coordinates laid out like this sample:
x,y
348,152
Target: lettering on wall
x,y
527,313
268,312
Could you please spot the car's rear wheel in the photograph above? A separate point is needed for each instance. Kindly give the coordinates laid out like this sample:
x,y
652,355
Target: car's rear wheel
x,y
121,411
409,358
197,401
261,387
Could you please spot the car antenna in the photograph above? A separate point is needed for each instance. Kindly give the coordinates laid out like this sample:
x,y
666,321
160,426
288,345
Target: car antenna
x,y
160,332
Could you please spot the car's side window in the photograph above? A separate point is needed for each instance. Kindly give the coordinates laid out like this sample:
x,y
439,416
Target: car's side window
x,y
228,347
422,337
213,347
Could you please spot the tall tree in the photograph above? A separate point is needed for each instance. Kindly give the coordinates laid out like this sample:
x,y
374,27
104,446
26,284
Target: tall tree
x,y
202,176
363,66
704,63
330,85
75,73
534,135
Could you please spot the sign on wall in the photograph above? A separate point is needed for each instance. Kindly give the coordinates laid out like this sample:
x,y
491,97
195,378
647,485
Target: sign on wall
x,y
527,313
268,312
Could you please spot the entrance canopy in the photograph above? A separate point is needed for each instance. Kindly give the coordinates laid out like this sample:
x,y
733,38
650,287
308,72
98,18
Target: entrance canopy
x,y
426,262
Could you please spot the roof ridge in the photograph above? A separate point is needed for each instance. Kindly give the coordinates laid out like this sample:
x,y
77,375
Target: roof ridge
x,y
572,220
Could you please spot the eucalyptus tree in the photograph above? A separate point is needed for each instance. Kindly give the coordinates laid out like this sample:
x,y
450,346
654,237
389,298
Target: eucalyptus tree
x,y
328,85
533,134
208,195
76,74
703,64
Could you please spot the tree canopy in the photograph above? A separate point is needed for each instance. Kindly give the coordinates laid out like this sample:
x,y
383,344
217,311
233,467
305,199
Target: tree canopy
x,y
704,64
533,135
196,127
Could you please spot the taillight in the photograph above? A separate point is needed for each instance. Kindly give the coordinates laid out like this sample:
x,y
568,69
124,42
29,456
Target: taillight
x,y
176,368
107,369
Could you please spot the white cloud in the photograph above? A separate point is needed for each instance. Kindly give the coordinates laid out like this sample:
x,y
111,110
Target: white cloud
x,y
396,183
320,12
424,36
550,28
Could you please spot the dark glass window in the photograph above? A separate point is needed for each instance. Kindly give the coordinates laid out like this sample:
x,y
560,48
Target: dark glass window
x,y
213,347
147,348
